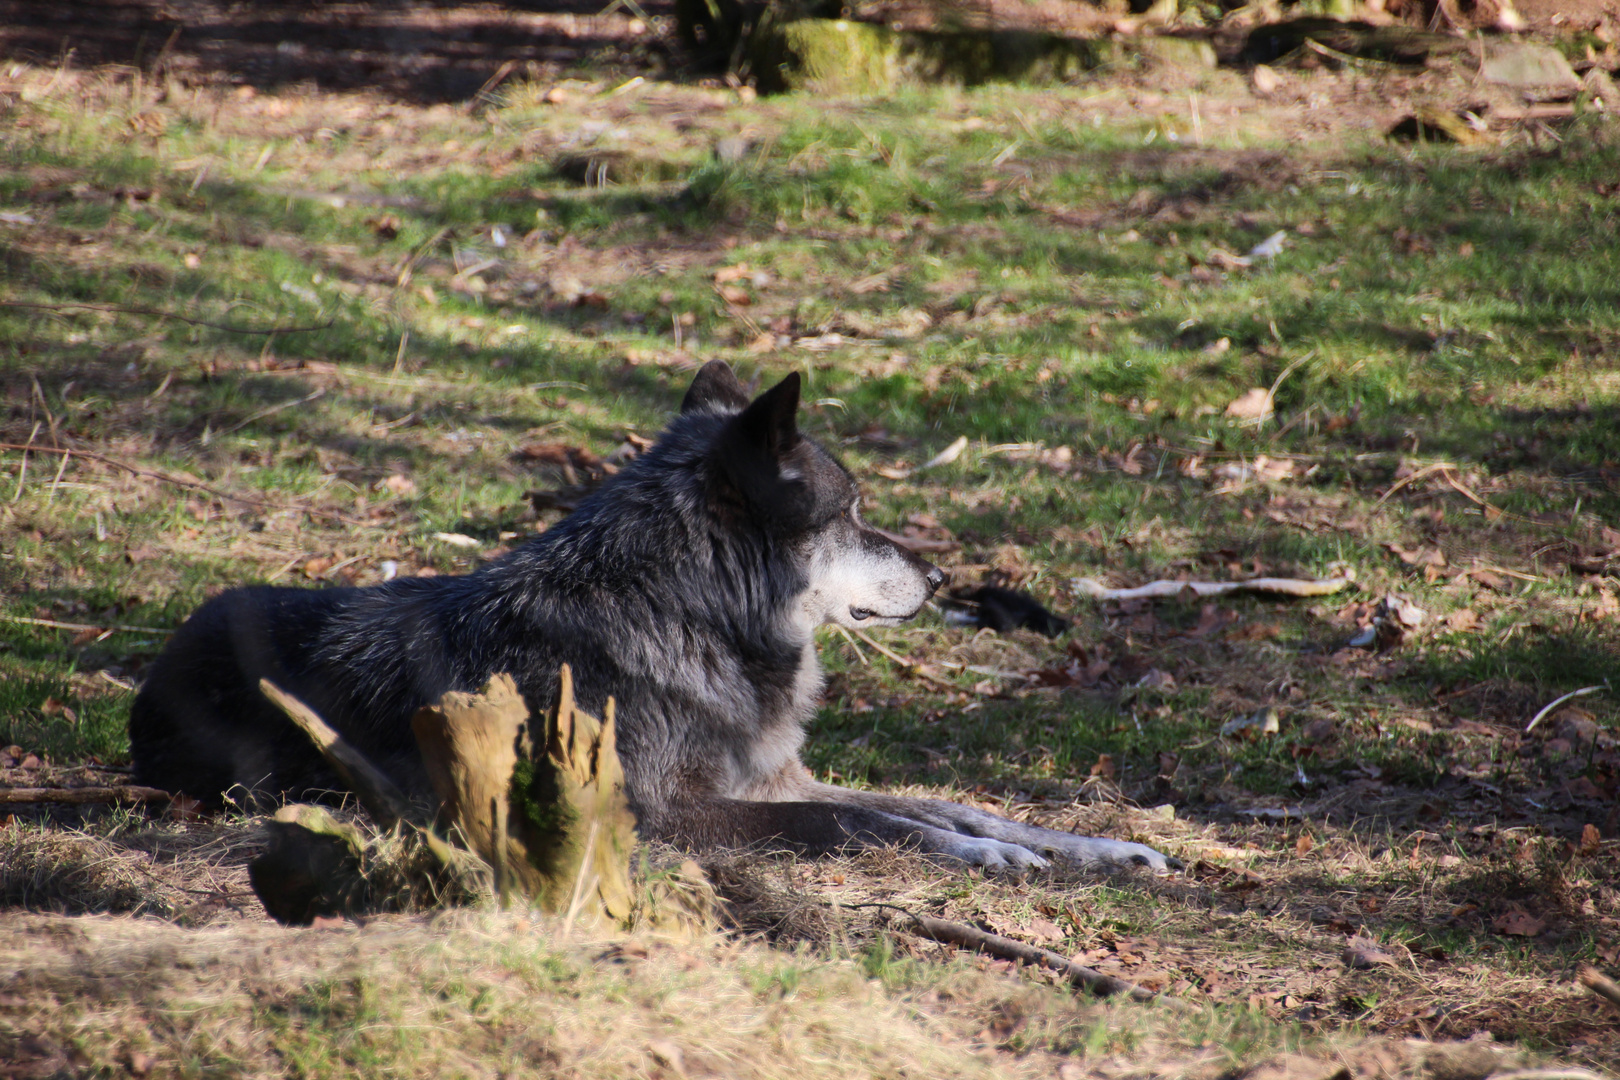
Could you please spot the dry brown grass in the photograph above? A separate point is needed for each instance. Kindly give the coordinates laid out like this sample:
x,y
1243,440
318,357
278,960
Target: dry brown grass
x,y
484,994
192,874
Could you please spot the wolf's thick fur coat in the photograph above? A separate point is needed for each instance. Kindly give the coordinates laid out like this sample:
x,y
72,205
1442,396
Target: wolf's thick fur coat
x,y
688,587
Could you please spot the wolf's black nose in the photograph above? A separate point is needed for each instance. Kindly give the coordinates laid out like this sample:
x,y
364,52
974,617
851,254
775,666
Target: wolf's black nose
x,y
936,578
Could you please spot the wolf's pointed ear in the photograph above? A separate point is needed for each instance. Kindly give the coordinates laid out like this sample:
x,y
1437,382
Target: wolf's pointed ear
x,y
771,421
714,389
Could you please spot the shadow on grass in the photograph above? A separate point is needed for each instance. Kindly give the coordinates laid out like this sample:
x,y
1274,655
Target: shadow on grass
x,y
422,53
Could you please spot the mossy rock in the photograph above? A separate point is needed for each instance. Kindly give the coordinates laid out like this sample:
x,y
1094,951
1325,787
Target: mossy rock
x,y
832,56
839,56
601,167
1193,56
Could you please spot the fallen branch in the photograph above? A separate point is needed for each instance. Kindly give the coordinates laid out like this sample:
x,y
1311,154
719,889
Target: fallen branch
x,y
1414,477
82,795
1286,586
1599,983
180,481
271,411
118,310
382,799
1005,948
1555,702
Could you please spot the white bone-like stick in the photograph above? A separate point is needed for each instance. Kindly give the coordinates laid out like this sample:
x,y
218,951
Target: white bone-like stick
x,y
1095,590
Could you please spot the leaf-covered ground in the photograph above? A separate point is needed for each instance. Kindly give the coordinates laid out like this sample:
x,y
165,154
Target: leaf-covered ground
x,y
320,336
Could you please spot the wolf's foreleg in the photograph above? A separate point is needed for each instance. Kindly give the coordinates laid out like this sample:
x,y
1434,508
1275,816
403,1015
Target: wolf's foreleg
x,y
1047,843
825,827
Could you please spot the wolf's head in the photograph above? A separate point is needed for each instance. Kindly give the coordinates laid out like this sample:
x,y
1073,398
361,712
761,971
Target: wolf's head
x,y
800,495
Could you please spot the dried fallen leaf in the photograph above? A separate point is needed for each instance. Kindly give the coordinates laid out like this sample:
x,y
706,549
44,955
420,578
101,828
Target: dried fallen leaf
x,y
1417,556
1363,952
1253,404
1264,721
1591,839
1518,924
1045,930
399,484
1266,468
947,455
1463,620
1104,767
1156,680
461,540
1303,846
53,707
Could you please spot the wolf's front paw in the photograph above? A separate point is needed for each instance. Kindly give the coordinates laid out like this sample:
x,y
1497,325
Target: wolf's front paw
x,y
990,854
1095,850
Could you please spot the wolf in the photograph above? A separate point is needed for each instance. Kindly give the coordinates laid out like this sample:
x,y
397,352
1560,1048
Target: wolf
x,y
689,586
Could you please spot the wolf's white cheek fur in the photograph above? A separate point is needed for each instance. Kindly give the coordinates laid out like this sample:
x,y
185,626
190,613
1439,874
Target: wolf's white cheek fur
x,y
856,585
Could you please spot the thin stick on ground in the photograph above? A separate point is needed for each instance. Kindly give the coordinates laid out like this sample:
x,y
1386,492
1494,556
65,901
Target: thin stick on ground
x,y
271,411
154,312
914,667
1599,983
1005,948
180,481
1555,702
82,795
383,801
105,628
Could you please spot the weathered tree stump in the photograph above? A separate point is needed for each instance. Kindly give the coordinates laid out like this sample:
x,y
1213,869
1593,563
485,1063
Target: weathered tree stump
x,y
550,815
541,809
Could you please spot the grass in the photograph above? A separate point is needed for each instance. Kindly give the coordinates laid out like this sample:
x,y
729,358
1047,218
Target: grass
x,y
414,298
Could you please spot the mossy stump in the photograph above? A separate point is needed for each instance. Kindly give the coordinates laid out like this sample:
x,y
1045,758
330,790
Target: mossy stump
x,y
551,816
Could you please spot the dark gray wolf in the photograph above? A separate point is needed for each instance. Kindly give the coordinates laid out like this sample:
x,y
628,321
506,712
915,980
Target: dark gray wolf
x,y
689,586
